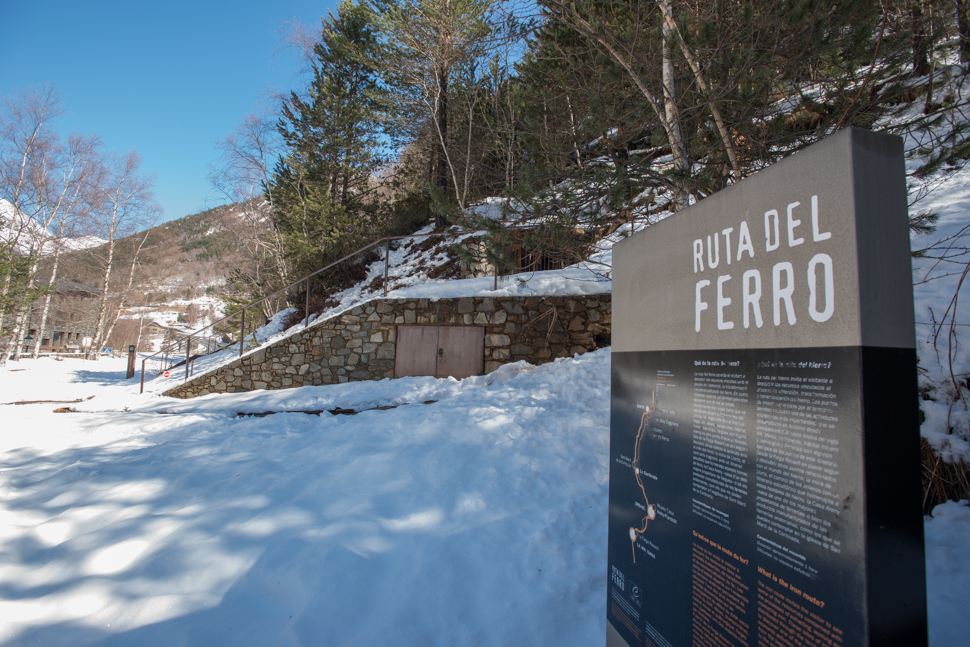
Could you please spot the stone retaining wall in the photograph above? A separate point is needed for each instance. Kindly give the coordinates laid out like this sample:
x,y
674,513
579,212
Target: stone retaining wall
x,y
360,344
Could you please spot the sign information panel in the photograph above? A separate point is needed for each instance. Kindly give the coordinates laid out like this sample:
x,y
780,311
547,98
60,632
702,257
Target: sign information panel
x,y
764,450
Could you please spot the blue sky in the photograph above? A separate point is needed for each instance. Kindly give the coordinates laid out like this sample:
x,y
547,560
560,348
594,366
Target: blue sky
x,y
166,78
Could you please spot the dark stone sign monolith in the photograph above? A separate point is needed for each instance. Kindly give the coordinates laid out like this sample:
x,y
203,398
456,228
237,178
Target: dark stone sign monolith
x,y
764,449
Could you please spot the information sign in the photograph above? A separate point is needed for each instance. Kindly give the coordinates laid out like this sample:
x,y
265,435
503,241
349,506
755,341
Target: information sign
x,y
764,450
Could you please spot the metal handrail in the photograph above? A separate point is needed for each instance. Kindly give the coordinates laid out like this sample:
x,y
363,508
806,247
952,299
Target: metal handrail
x,y
306,321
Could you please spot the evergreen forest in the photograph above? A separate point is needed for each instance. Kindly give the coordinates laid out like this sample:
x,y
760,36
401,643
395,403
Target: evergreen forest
x,y
579,114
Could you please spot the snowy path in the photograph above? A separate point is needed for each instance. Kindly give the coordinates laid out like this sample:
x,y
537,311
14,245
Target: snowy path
x,y
479,519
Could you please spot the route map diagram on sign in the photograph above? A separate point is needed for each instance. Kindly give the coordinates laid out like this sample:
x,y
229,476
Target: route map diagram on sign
x,y
651,508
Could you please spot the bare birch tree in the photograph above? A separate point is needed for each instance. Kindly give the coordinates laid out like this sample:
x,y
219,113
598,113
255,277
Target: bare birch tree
x,y
67,180
123,205
242,177
25,135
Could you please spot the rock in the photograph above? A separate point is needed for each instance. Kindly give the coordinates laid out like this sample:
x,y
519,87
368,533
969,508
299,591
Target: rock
x,y
385,351
497,340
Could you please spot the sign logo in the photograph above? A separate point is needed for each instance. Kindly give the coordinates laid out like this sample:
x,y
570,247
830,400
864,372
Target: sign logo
x,y
166,374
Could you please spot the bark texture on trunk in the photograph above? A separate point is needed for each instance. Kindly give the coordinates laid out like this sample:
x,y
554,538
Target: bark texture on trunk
x,y
441,172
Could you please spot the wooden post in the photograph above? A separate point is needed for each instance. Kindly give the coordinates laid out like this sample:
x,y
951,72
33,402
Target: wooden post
x,y
242,332
387,261
188,355
143,375
131,363
306,307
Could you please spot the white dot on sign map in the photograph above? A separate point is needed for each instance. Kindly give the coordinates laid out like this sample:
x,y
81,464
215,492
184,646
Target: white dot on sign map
x,y
636,469
651,511
633,534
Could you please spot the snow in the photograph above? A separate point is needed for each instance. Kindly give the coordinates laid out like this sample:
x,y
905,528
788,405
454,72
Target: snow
x,y
936,280
948,573
443,523
82,242
477,519
29,234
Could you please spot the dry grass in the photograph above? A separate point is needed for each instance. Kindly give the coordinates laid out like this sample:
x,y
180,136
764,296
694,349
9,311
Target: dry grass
x,y
942,481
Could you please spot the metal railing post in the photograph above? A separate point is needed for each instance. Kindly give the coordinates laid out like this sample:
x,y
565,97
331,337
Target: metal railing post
x,y
387,261
143,375
242,332
188,355
306,306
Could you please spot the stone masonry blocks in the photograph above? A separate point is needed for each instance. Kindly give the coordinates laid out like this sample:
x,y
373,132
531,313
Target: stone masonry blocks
x,y
361,344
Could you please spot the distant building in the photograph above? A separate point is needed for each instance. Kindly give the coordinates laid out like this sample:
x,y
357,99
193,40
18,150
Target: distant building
x,y
71,319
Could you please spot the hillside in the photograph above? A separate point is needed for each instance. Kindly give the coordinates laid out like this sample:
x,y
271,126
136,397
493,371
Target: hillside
x,y
180,276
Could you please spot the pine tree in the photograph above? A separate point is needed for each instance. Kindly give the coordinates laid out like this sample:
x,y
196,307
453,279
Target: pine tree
x,y
321,187
427,42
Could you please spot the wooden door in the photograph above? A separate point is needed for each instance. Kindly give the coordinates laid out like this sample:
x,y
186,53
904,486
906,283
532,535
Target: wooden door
x,y
461,351
439,351
417,351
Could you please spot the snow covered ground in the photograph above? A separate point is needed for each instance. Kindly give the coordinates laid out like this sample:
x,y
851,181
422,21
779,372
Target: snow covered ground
x,y
476,519
479,519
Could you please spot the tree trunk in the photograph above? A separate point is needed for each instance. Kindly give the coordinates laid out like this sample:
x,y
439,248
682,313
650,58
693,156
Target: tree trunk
x,y
672,114
47,304
27,308
963,29
127,290
95,351
16,338
921,59
702,84
441,172
141,323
